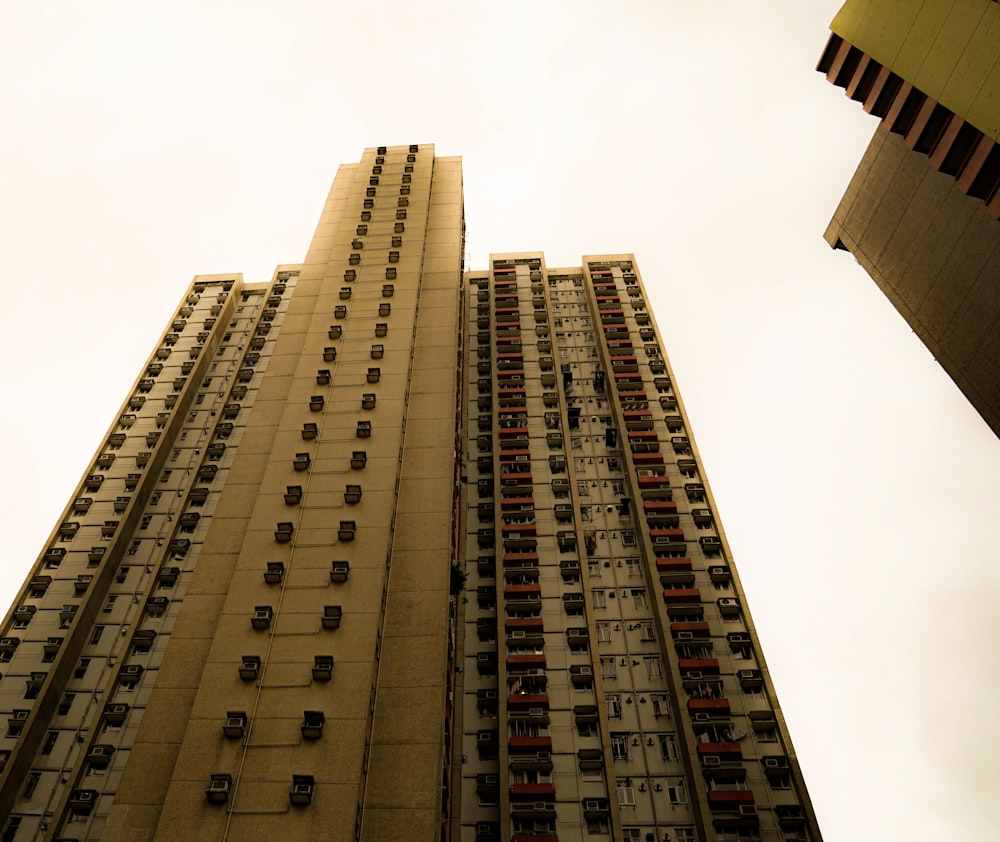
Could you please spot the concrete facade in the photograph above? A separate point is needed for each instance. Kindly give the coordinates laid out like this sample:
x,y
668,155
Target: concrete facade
x,y
922,212
377,550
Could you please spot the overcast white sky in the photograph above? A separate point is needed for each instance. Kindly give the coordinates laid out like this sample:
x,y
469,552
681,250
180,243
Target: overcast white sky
x,y
145,143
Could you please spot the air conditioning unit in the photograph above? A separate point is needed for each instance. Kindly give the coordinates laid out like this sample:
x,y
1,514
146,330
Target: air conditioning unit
x,y
585,670
692,675
748,810
517,634
775,762
219,786
685,635
536,712
591,804
543,755
701,717
728,603
712,761
131,669
491,779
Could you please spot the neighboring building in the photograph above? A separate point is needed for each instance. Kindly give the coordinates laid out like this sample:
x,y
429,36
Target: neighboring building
x,y
374,551
922,213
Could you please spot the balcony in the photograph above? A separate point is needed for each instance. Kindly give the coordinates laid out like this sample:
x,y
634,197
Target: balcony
x,y
529,745
689,631
724,751
527,701
729,799
696,667
713,707
672,565
533,792
680,596
520,663
522,594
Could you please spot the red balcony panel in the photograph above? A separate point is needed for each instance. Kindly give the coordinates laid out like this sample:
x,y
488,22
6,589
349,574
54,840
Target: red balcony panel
x,y
641,459
695,629
660,507
716,706
629,358
514,590
510,411
627,377
707,666
632,396
521,477
525,624
516,502
510,355
654,482
612,313
730,750
672,565
511,392
508,373
529,745
522,529
526,701
673,597
669,534
728,798
533,792
520,560
511,455
638,414
512,432
527,661
642,435
534,837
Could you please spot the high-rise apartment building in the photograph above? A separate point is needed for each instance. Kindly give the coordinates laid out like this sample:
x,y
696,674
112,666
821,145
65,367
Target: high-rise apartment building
x,y
377,550
922,213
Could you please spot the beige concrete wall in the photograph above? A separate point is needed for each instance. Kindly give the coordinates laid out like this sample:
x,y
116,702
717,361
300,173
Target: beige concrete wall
x,y
935,253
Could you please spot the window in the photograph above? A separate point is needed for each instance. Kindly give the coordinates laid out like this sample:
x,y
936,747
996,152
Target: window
x,y
109,604
603,632
599,598
50,742
583,488
654,666
613,702
31,784
81,668
676,793
668,746
95,636
608,666
661,704
66,704
639,597
685,834
619,746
